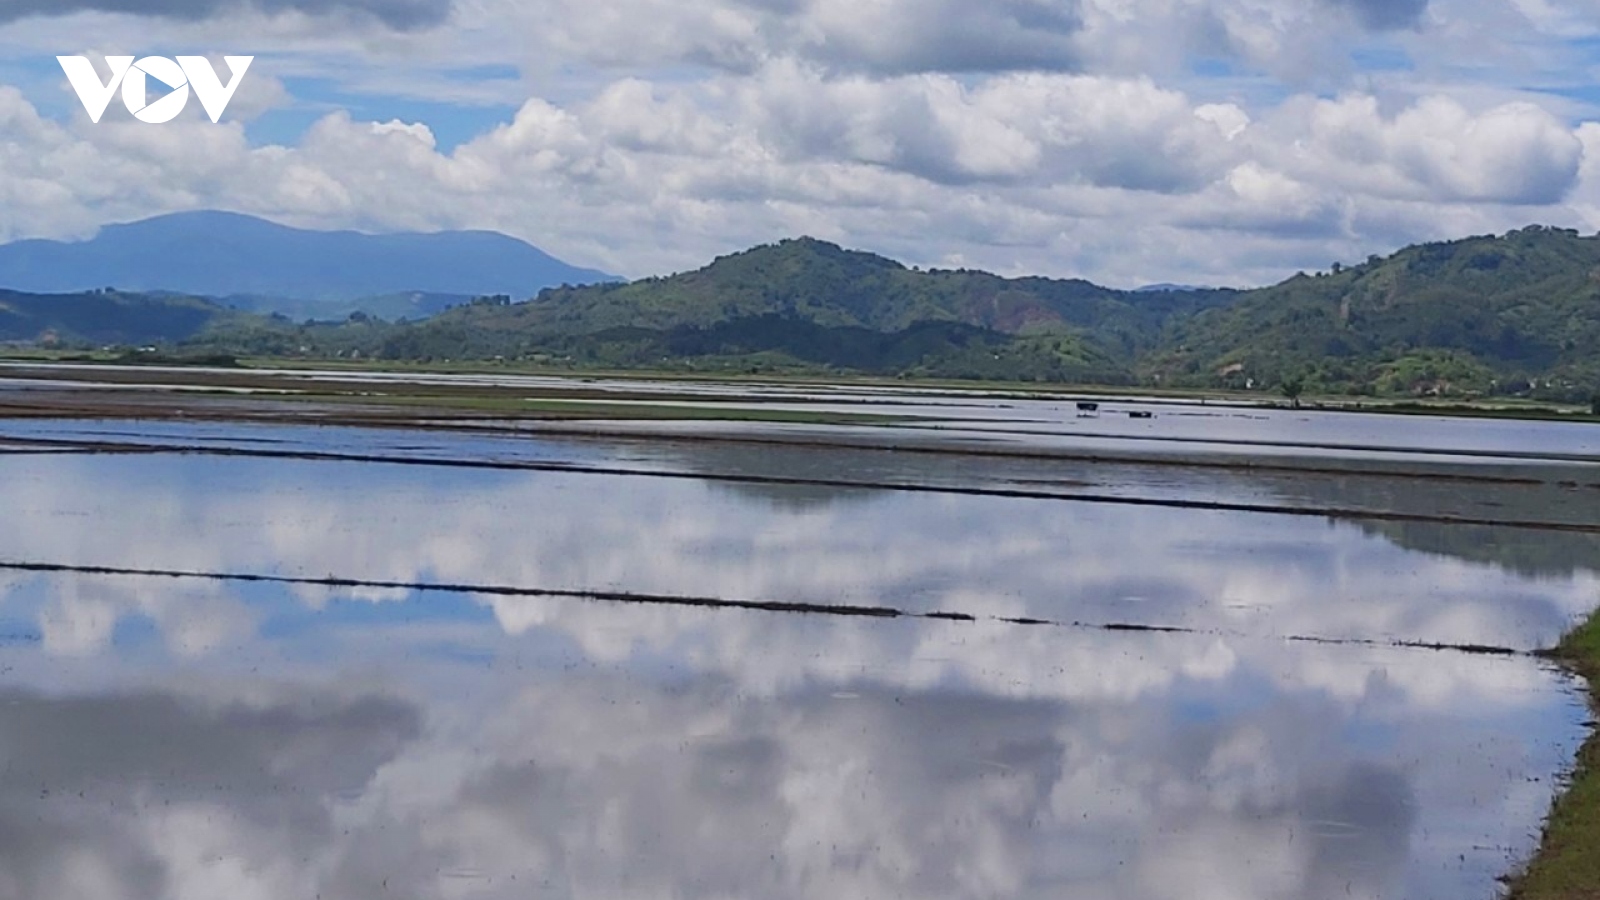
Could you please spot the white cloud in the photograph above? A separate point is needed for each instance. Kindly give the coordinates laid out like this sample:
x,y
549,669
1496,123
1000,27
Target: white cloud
x,y
1058,138
398,14
1004,172
1436,150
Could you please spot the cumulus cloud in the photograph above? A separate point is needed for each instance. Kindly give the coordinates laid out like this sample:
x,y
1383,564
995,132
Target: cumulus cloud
x,y
398,14
1111,133
881,37
1438,150
884,38
1029,136
1384,14
896,36
1113,178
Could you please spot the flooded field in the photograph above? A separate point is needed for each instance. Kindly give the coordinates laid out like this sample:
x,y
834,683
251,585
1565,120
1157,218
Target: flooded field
x,y
729,660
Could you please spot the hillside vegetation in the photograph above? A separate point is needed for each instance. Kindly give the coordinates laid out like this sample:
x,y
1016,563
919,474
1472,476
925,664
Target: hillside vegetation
x,y
1485,314
806,303
1517,314
107,317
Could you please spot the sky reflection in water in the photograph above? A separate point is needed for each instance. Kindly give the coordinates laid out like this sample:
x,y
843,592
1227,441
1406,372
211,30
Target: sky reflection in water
x,y
199,739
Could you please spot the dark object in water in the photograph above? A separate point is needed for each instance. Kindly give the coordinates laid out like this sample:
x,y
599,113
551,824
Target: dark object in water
x,y
1141,414
1087,406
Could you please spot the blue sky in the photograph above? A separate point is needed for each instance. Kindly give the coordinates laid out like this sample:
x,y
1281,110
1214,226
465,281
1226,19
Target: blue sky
x,y
1127,141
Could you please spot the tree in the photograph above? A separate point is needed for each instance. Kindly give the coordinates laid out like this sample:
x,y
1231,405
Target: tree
x,y
1292,388
1594,404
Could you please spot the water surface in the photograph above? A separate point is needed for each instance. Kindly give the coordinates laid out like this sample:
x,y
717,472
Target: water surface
x,y
188,737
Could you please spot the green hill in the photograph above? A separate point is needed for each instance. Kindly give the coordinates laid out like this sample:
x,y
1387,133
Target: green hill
x,y
107,317
1484,314
1509,315
825,284
806,302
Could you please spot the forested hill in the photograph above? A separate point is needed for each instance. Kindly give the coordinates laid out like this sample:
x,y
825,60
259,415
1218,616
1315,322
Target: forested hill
x,y
1478,315
1474,314
822,283
1517,313
108,317
806,301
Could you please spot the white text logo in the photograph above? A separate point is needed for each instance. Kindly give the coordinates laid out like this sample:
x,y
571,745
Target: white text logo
x,y
134,77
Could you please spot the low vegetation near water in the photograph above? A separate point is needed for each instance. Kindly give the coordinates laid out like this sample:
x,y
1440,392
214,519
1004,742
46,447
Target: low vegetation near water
x,y
1568,864
1516,315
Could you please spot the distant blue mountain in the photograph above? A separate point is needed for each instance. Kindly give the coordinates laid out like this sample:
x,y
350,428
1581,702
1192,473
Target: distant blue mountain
x,y
219,254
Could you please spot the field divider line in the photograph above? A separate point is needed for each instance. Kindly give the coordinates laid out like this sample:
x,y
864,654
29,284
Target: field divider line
x,y
1507,455
556,428
774,606
841,484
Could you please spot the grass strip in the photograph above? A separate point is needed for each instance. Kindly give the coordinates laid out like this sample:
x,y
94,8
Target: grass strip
x,y
1567,866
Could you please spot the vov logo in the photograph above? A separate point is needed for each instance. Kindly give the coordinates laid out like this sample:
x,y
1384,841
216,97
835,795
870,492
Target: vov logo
x,y
134,77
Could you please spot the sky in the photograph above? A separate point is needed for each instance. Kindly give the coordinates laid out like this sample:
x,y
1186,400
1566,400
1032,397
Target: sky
x,y
1218,142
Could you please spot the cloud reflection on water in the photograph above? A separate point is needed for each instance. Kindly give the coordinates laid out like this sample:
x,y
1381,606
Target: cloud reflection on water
x,y
985,556
663,776
261,742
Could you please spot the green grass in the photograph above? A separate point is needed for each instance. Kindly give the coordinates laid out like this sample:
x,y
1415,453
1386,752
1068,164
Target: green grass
x,y
1567,866
1500,407
1487,408
37,354
1484,409
798,378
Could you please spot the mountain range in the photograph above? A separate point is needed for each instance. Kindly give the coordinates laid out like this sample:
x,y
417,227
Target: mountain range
x,y
261,266
1515,314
